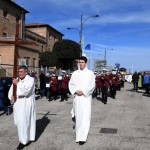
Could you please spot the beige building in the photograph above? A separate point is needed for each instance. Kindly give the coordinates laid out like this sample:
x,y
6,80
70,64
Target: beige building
x,y
49,33
43,35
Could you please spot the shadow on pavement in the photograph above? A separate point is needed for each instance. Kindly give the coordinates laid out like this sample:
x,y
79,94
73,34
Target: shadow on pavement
x,y
131,90
148,95
41,125
2,113
139,91
99,99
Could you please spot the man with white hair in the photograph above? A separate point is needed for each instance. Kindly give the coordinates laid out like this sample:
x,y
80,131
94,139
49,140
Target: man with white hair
x,y
24,106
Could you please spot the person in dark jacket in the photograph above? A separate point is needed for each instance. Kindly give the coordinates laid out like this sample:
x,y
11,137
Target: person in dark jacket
x,y
135,78
64,88
113,83
54,88
146,82
2,106
42,84
104,82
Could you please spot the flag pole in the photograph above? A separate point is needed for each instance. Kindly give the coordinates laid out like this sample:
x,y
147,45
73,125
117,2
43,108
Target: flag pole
x,y
90,55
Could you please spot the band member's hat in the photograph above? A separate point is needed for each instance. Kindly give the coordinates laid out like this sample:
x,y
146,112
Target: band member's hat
x,y
104,69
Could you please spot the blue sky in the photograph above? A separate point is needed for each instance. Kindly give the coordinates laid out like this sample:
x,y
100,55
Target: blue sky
x,y
123,25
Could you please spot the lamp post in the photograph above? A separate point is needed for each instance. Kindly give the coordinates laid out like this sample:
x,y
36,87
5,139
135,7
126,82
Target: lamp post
x,y
81,28
105,56
102,62
75,29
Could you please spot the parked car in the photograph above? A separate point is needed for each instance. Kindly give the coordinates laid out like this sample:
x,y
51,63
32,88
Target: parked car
x,y
7,83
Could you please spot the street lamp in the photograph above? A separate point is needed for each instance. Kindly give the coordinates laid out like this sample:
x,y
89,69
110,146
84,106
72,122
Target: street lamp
x,y
75,29
105,56
81,28
102,62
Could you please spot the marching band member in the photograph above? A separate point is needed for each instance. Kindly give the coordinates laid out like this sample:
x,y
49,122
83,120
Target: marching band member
x,y
54,87
113,83
104,82
64,88
97,84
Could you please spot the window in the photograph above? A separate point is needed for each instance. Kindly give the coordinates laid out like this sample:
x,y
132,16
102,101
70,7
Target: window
x,y
5,13
17,18
27,60
4,34
34,62
56,40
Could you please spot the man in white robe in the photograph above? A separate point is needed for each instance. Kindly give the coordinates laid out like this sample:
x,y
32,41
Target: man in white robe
x,y
81,86
24,107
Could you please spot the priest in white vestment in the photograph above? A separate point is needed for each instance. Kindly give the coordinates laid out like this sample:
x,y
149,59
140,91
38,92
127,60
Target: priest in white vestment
x,y
24,107
81,86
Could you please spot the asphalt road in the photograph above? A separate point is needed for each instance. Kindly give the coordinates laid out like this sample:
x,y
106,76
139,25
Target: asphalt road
x,y
122,124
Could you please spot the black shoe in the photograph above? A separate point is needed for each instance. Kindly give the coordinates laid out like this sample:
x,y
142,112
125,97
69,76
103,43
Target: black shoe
x,y
73,119
81,142
105,102
20,146
61,100
8,112
73,127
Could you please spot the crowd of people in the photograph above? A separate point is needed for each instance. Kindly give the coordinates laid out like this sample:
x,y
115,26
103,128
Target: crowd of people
x,y
54,87
141,81
108,83
83,84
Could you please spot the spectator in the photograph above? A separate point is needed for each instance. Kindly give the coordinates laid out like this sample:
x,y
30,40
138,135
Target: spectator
x,y
42,84
146,82
135,78
2,106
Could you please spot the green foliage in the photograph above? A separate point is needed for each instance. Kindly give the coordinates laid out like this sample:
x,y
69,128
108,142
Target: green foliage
x,y
49,59
67,49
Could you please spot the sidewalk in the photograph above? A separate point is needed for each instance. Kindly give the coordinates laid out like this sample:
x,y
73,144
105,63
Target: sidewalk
x,y
122,124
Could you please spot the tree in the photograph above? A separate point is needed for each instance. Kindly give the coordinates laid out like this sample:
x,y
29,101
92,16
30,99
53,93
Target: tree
x,y
49,59
67,49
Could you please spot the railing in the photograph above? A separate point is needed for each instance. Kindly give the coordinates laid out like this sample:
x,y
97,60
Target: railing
x,y
6,70
10,38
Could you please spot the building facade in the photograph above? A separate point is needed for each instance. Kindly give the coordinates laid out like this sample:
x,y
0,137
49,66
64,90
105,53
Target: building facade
x,y
100,64
43,35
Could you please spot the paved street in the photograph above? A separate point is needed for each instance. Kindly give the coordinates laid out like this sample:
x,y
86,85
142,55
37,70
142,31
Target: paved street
x,y
122,124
